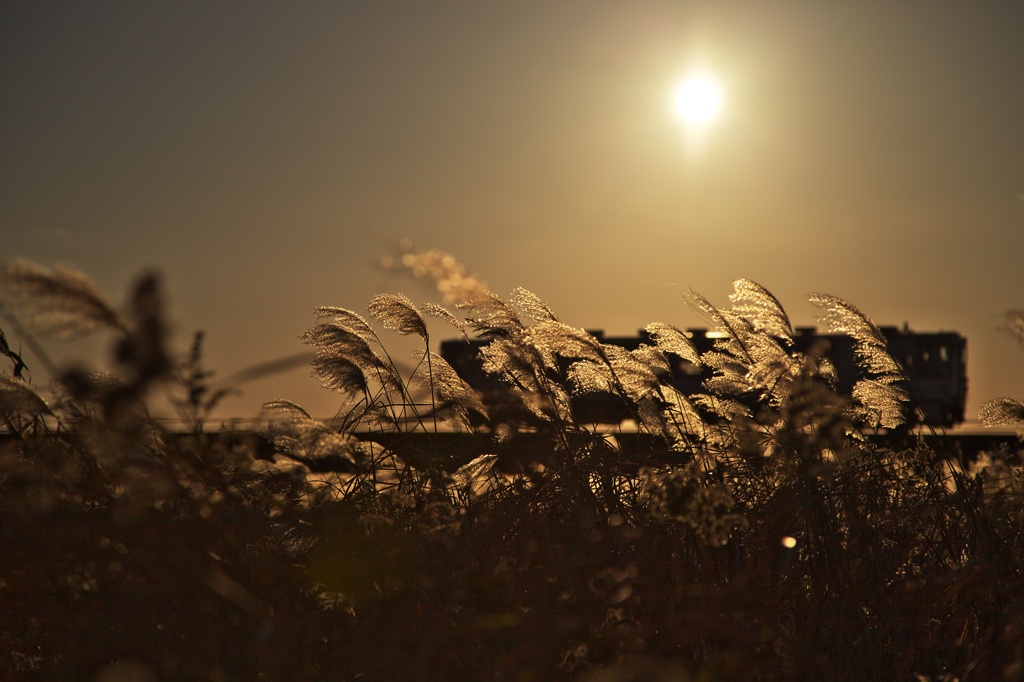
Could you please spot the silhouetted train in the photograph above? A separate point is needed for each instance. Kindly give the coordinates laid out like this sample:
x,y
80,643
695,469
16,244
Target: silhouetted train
x,y
934,362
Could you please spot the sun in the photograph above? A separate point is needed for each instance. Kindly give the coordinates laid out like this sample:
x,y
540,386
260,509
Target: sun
x,y
698,99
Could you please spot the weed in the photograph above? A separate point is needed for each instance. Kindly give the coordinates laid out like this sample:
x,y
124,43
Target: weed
x,y
752,531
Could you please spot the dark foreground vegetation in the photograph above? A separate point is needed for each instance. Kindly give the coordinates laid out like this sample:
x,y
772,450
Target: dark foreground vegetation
x,y
757,535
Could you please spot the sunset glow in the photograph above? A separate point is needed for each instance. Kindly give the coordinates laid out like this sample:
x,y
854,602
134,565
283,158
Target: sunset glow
x,y
547,146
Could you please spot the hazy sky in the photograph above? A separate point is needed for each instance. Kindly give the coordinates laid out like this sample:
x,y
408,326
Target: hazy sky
x,y
265,155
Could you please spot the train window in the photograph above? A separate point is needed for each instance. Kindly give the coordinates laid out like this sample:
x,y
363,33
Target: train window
x,y
925,356
943,353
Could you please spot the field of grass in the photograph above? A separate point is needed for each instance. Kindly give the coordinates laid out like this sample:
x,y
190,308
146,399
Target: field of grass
x,y
758,534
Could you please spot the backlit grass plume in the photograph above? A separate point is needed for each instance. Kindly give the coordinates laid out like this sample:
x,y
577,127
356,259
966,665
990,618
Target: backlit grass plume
x,y
672,340
750,359
879,394
16,396
1001,411
752,529
1006,411
453,400
758,306
532,305
60,302
397,313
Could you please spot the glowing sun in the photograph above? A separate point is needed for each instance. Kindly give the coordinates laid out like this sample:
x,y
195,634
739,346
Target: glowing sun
x,y
698,100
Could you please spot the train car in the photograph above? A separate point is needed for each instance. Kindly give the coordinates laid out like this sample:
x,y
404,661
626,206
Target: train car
x,y
934,362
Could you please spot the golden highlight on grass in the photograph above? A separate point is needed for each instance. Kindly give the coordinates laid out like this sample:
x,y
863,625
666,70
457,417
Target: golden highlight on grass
x,y
425,531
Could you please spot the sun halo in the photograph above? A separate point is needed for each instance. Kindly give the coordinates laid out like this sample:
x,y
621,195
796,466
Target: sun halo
x,y
698,99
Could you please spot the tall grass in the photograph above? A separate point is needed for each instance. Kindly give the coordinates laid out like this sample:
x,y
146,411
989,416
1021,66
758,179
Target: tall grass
x,y
750,532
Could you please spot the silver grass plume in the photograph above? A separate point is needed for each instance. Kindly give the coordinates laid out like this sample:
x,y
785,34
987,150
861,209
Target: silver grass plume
x,y
106,382
878,394
509,362
554,339
397,313
589,377
450,391
634,375
369,413
556,400
532,306
679,409
442,313
752,357
338,373
670,339
826,370
705,308
519,365
882,402
292,409
651,418
333,340
736,328
723,407
477,478
623,372
330,338
653,357
18,397
307,439
731,360
759,307
722,319
487,314
730,375
774,369
350,320
842,317
1001,412
62,302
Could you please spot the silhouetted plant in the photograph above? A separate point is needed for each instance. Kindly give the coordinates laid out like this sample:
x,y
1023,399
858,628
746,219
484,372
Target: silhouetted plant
x,y
753,531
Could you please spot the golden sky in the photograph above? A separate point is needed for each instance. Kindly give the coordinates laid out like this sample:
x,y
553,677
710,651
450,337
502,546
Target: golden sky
x,y
265,155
